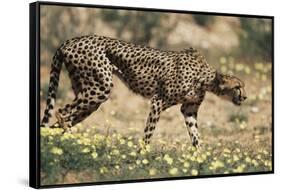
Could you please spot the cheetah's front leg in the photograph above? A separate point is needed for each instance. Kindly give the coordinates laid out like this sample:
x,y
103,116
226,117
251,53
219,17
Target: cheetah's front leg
x,y
189,111
157,106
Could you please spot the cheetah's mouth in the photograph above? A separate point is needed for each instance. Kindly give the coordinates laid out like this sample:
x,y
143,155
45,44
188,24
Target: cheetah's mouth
x,y
238,100
238,103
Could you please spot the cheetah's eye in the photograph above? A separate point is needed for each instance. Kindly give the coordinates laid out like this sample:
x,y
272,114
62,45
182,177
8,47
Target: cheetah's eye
x,y
237,87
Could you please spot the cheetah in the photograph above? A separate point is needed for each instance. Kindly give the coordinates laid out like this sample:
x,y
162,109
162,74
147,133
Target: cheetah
x,y
167,78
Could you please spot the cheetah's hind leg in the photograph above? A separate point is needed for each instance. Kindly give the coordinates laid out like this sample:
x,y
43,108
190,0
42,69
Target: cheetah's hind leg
x,y
61,115
61,122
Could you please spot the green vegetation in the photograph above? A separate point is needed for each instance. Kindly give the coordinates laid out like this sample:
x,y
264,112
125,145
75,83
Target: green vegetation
x,y
203,20
255,38
238,117
115,157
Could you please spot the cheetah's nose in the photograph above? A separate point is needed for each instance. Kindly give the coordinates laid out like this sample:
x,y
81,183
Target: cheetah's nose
x,y
244,98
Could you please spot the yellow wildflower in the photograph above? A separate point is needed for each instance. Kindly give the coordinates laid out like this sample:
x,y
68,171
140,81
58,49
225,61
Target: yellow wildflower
x,y
168,159
217,164
192,158
259,66
184,170
94,155
238,150
247,70
223,69
255,163
243,125
226,150
67,136
239,67
222,60
158,158
145,161
239,169
103,170
248,159
148,148
173,171
199,159
143,152
130,143
115,152
85,150
56,150
186,164
124,156
152,171
194,172
235,158
133,153
204,156
122,141
85,134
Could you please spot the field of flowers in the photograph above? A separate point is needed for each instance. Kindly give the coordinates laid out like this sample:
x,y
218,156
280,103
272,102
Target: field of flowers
x,y
107,147
91,157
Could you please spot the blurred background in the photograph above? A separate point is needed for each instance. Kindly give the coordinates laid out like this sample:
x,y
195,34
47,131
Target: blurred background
x,y
244,38
233,45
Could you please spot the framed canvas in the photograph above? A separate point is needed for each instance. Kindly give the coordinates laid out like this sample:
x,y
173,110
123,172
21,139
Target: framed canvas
x,y
101,77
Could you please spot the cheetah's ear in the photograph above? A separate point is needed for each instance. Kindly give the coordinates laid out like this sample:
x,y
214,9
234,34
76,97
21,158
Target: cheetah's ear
x,y
220,82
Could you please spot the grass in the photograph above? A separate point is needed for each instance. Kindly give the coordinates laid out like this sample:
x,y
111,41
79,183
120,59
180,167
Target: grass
x,y
238,117
115,157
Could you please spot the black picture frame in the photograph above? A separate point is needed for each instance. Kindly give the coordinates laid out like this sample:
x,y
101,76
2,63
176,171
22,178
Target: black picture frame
x,y
34,96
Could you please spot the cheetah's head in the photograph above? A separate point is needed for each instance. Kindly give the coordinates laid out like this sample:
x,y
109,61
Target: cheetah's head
x,y
231,88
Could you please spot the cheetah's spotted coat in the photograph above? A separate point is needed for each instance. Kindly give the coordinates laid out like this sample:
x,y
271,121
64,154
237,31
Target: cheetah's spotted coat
x,y
166,77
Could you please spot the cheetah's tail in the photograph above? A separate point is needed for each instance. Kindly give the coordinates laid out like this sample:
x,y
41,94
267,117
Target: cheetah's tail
x,y
53,86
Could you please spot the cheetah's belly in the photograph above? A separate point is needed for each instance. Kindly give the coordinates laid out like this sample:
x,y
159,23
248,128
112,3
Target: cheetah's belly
x,y
140,84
